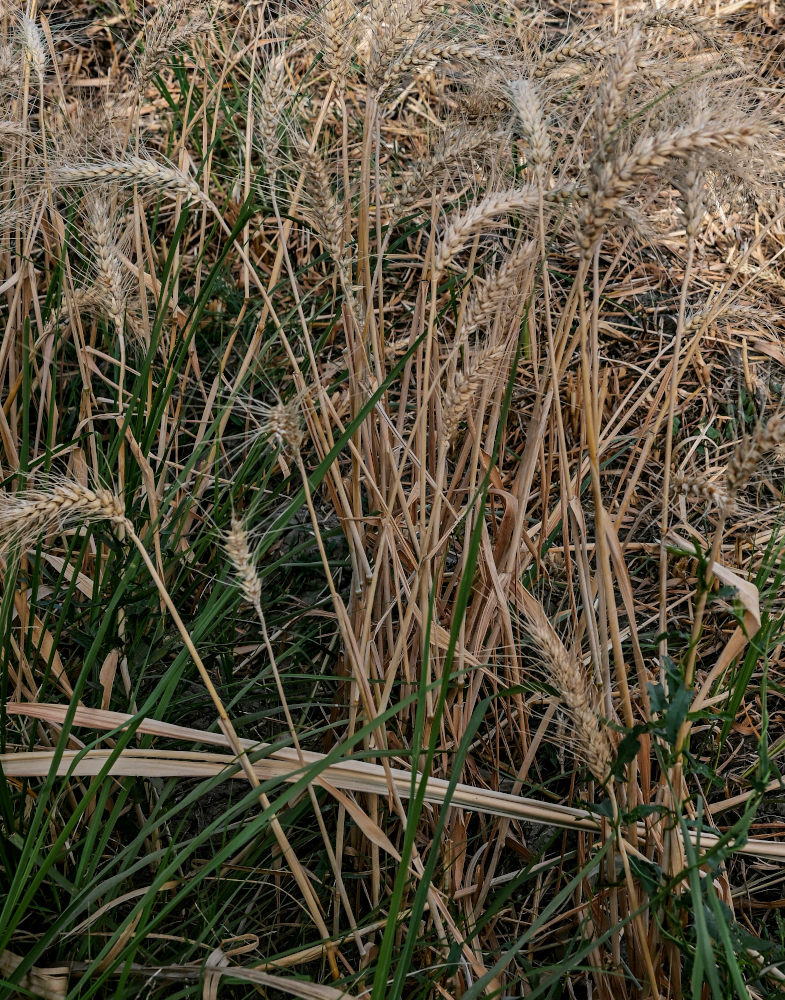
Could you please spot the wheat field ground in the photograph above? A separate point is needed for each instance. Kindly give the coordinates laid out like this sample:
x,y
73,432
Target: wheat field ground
x,y
392,542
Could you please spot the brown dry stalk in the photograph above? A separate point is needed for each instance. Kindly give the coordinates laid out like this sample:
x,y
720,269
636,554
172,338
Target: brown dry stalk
x,y
575,690
485,213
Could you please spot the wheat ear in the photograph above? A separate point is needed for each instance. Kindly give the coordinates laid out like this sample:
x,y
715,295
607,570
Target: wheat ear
x,y
484,213
457,399
27,514
500,290
593,45
268,109
611,98
751,450
131,170
615,177
108,262
33,46
573,687
528,108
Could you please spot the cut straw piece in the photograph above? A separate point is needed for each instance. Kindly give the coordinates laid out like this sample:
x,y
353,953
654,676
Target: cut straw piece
x,y
284,764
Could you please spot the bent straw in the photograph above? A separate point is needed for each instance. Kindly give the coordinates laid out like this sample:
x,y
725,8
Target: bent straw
x,y
284,764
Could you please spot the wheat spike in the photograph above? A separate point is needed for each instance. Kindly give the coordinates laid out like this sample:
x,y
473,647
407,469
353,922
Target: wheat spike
x,y
324,209
445,157
132,170
699,488
394,26
268,109
485,212
500,290
573,687
615,177
465,384
611,98
528,109
337,17
751,450
108,262
239,552
592,45
172,25
33,46
27,514
431,53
